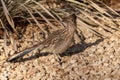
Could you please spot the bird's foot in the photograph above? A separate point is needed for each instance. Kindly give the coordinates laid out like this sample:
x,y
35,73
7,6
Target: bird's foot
x,y
58,58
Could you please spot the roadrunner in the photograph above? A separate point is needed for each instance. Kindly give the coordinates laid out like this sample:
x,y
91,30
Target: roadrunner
x,y
58,42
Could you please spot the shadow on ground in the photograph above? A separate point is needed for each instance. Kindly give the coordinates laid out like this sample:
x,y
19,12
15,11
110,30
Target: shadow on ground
x,y
75,49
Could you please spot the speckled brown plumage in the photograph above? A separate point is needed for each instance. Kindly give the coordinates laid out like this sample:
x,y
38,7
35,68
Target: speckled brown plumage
x,y
58,42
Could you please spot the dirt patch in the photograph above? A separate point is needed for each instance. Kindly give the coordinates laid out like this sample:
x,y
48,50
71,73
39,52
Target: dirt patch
x,y
95,59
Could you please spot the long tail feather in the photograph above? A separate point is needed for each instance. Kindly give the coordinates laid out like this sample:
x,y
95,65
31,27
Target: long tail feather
x,y
24,52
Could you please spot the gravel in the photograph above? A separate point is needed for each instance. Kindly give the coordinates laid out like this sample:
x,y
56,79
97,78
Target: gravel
x,y
96,59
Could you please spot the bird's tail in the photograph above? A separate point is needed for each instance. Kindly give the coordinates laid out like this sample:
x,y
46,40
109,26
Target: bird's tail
x,y
24,52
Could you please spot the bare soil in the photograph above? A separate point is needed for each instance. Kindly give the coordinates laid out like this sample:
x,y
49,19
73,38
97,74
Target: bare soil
x,y
95,59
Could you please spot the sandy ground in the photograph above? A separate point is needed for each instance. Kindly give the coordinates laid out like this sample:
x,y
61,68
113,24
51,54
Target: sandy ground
x,y
95,59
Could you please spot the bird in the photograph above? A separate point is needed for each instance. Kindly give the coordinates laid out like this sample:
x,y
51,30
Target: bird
x,y
56,43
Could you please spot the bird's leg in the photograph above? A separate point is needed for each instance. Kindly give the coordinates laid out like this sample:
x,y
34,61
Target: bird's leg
x,y
58,57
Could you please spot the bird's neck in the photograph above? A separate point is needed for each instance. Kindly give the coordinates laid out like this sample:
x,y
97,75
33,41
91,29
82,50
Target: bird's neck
x,y
71,27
